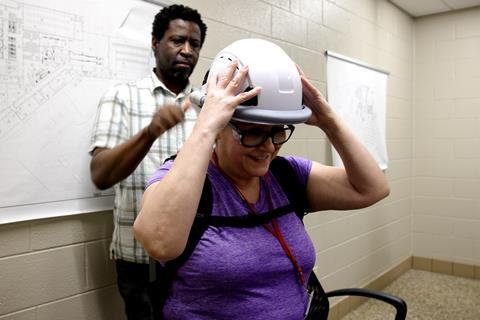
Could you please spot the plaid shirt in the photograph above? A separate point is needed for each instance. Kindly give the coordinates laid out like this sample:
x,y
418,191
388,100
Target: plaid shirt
x,y
123,111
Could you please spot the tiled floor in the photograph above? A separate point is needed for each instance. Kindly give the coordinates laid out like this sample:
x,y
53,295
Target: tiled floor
x,y
429,296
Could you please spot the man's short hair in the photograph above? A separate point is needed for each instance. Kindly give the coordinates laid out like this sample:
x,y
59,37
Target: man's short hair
x,y
177,11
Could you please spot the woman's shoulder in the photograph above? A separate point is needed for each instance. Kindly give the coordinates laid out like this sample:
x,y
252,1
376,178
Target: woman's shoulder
x,y
297,161
301,166
161,172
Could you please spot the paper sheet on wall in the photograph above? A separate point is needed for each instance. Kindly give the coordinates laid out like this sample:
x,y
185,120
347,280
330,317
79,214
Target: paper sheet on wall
x,y
59,58
357,93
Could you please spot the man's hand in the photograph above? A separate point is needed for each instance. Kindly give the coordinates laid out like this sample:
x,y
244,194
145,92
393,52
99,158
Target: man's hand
x,y
165,118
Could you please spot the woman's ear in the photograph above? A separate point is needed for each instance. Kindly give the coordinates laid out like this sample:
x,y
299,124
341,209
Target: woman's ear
x,y
221,136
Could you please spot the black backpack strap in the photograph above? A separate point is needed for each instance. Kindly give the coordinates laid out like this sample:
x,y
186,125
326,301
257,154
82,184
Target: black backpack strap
x,y
172,157
290,183
199,226
288,179
246,220
159,288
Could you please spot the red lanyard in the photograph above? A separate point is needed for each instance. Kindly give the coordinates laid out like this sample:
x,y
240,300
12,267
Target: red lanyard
x,y
275,231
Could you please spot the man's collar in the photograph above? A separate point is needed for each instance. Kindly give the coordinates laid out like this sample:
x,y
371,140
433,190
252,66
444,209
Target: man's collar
x,y
157,83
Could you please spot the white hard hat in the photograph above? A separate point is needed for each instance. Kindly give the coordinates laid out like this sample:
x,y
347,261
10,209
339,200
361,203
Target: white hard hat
x,y
280,101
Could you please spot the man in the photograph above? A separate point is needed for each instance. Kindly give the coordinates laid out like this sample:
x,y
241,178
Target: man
x,y
138,125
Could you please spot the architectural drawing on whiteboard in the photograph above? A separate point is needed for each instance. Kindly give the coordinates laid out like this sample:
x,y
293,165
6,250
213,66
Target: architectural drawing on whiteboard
x,y
56,60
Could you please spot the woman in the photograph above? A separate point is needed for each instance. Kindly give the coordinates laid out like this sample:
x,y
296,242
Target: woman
x,y
244,273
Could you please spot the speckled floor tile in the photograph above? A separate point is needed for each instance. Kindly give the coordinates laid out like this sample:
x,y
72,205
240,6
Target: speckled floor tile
x,y
429,296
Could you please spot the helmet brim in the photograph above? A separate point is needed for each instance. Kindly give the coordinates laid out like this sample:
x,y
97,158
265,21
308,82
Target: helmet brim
x,y
272,117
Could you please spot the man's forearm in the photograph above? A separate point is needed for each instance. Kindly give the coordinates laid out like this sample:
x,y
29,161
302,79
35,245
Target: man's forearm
x,y
109,166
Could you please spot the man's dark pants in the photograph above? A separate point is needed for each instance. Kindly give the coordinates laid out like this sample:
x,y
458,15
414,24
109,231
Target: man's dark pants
x,y
132,281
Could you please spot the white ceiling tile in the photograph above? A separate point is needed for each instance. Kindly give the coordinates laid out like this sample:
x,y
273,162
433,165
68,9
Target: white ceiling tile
x,y
423,7
460,4
419,8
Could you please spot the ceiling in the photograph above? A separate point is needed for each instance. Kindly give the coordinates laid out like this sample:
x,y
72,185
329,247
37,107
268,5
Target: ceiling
x,y
418,8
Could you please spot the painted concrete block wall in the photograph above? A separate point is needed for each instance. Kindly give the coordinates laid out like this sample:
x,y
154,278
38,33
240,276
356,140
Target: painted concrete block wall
x,y
446,205
59,268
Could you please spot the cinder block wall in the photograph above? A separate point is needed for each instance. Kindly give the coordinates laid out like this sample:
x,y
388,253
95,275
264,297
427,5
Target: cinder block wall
x,y
446,205
59,268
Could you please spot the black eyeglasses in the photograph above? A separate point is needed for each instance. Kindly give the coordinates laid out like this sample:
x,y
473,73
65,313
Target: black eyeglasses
x,y
256,137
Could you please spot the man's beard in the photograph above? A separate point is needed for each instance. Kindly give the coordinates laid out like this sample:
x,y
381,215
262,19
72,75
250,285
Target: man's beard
x,y
178,76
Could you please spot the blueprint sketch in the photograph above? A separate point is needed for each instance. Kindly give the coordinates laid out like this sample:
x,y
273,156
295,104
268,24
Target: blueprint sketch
x,y
358,93
56,60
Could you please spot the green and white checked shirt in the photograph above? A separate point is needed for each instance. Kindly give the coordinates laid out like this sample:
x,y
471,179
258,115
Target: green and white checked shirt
x,y
123,111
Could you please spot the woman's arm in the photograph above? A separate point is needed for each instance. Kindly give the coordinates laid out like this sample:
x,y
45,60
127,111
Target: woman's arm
x,y
360,183
169,206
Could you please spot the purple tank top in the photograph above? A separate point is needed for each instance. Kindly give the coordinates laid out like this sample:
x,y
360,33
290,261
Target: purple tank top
x,y
243,273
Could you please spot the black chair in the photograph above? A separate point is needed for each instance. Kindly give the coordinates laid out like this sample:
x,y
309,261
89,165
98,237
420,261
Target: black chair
x,y
320,305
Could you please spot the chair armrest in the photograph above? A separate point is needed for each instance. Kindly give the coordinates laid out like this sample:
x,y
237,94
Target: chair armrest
x,y
399,304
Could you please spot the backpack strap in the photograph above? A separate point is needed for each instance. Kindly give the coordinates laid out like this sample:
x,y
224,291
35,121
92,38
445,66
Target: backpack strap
x,y
163,275
290,184
159,287
288,180
246,220
199,226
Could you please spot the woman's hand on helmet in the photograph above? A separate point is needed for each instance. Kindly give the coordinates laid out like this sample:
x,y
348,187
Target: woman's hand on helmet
x,y
313,98
223,97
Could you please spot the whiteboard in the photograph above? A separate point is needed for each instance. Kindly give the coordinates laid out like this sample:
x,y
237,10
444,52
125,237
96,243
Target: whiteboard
x,y
358,92
57,58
